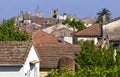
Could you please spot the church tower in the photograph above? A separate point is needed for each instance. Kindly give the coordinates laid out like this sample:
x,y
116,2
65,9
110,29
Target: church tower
x,y
54,12
38,13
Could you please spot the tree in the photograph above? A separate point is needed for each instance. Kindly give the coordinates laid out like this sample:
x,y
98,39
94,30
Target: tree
x,y
53,73
67,21
80,25
103,16
97,62
75,24
9,32
56,73
93,62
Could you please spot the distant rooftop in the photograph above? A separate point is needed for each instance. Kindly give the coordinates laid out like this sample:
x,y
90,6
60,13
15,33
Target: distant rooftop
x,y
92,31
88,20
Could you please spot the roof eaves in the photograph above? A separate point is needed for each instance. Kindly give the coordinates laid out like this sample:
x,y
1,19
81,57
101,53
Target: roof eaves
x,y
87,35
26,55
12,65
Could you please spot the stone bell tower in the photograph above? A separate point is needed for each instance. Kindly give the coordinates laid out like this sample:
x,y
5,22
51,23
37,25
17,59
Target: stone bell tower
x,y
54,12
38,13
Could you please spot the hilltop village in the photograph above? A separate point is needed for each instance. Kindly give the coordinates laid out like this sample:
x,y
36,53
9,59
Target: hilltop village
x,y
53,42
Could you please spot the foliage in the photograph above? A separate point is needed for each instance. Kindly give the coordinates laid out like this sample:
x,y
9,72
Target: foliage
x,y
104,12
90,56
67,73
53,73
64,73
97,62
98,71
75,24
8,32
93,62
67,21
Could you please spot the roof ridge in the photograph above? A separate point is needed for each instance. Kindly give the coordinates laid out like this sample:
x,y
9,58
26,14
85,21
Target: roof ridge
x,y
89,31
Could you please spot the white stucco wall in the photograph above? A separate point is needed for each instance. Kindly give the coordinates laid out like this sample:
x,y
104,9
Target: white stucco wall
x,y
56,27
20,71
87,25
84,39
61,17
37,25
32,56
68,39
27,21
111,26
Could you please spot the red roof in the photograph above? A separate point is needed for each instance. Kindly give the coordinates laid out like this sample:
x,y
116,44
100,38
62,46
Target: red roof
x,y
92,31
50,54
41,21
41,37
51,50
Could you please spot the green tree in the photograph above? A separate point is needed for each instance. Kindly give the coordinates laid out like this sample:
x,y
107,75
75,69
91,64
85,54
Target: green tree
x,y
103,14
75,24
80,25
9,32
53,73
67,21
64,73
97,62
93,62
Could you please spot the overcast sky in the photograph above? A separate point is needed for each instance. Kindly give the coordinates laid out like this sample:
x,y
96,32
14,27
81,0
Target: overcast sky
x,y
80,8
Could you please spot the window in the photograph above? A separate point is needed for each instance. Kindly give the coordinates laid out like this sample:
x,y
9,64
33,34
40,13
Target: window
x,y
33,71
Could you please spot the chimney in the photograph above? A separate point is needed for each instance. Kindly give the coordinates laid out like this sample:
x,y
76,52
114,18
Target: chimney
x,y
61,39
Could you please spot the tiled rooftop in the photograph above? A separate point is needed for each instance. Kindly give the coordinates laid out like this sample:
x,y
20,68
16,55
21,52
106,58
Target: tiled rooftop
x,y
41,37
92,31
41,21
51,53
12,52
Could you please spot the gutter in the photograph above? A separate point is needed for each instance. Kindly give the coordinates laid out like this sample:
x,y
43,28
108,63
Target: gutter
x,y
11,65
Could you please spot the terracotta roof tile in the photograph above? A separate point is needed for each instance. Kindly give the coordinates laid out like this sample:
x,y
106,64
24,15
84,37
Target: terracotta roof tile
x,y
51,50
51,53
41,21
64,31
92,31
14,52
41,37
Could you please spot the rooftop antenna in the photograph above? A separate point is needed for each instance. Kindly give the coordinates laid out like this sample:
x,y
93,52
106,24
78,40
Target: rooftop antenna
x,y
89,14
